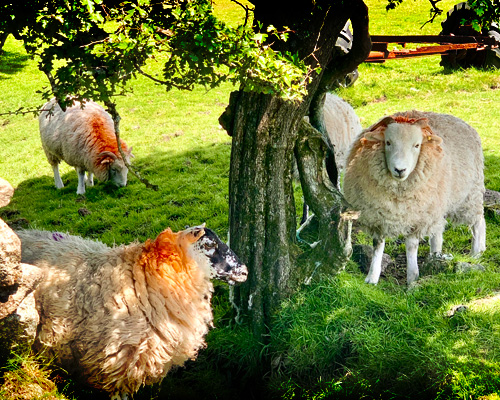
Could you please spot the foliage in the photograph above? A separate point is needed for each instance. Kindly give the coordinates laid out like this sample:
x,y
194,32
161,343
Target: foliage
x,y
92,48
349,339
26,378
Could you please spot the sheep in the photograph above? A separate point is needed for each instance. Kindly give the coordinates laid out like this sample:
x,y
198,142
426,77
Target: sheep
x,y
342,126
122,317
85,139
408,173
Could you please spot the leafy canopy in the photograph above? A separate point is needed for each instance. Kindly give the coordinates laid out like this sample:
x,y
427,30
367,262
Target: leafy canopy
x,y
91,48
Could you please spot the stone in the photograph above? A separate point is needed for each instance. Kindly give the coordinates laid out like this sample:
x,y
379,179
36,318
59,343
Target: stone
x,y
30,278
6,192
18,314
18,330
362,254
464,267
10,256
492,201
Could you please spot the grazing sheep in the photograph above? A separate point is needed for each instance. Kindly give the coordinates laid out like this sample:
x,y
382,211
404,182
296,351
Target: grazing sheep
x,y
409,172
85,139
122,317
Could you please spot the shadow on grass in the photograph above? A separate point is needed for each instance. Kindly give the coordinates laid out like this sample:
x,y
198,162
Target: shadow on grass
x,y
11,63
193,188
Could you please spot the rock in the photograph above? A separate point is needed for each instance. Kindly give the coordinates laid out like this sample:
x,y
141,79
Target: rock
x,y
459,309
6,192
435,263
10,256
492,201
18,315
18,330
464,267
362,254
30,278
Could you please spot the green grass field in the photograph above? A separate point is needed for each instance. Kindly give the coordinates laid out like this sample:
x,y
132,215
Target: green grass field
x,y
337,338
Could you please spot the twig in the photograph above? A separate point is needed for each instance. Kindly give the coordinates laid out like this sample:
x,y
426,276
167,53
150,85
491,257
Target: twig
x,y
111,108
435,11
246,8
34,111
181,87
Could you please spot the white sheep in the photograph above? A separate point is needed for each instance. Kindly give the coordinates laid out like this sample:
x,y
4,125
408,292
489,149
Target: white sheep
x,y
342,126
409,172
122,317
85,139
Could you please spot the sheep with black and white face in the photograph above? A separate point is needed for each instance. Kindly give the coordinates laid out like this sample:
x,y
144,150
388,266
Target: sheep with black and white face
x,y
122,317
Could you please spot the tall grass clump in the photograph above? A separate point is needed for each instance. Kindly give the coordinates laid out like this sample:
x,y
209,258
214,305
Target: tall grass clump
x,y
343,338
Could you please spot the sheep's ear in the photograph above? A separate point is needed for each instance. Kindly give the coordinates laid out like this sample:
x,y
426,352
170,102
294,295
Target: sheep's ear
x,y
375,133
106,157
375,136
429,135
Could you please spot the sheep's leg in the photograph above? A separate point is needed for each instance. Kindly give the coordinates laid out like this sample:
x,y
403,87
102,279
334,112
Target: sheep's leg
x,y
119,396
90,179
57,178
437,243
376,264
81,181
411,259
478,237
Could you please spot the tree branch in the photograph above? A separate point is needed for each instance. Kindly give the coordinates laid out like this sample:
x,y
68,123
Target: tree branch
x,y
111,108
434,12
361,46
247,10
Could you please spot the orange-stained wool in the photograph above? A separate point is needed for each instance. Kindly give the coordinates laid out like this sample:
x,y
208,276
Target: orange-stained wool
x,y
104,138
166,252
404,120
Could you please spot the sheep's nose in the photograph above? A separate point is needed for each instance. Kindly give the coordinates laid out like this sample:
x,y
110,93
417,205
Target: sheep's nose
x,y
399,171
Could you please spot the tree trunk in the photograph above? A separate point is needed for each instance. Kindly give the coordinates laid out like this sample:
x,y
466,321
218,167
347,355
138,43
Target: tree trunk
x,y
262,220
262,207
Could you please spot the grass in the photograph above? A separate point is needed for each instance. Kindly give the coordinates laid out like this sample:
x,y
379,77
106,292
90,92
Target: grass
x,y
337,338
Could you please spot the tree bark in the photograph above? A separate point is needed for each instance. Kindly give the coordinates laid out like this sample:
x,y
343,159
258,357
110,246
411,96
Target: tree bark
x,y
261,207
262,220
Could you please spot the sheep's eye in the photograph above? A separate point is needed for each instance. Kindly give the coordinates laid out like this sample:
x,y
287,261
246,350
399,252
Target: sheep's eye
x,y
417,145
387,143
210,245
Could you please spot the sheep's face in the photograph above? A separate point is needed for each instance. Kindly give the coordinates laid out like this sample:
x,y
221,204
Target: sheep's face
x,y
402,144
402,140
117,170
222,262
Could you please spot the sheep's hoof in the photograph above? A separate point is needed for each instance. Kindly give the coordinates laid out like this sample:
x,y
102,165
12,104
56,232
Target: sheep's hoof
x,y
371,280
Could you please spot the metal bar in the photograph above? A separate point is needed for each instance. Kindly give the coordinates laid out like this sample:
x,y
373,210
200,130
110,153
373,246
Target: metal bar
x,y
432,39
379,56
422,39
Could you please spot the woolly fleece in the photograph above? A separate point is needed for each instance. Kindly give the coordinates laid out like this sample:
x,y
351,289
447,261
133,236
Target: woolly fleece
x,y
447,182
124,316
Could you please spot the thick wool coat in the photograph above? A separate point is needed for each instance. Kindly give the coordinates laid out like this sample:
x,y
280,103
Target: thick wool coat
x,y
122,317
448,181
